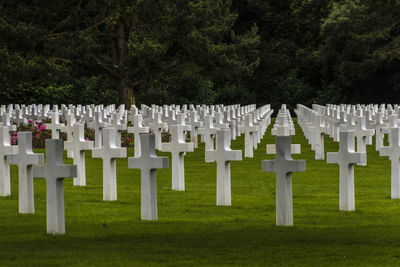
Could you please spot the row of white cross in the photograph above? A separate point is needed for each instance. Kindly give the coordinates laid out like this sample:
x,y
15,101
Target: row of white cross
x,y
109,149
344,123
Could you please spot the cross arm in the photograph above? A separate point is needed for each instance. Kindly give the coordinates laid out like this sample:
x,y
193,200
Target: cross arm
x,y
30,159
210,155
66,171
161,163
358,157
68,145
86,145
39,171
268,165
152,163
332,157
294,148
235,155
166,147
296,166
119,152
98,152
188,146
10,150
384,150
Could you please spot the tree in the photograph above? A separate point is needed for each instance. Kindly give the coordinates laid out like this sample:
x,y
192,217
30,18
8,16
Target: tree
x,y
157,51
290,41
40,66
361,52
176,51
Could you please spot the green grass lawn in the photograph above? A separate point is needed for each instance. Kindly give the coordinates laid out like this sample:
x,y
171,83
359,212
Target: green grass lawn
x,y
192,230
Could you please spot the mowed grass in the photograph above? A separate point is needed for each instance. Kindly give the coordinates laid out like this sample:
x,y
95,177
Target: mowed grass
x,y
192,230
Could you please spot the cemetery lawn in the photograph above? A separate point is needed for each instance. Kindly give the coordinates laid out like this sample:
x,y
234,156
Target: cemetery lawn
x,y
192,230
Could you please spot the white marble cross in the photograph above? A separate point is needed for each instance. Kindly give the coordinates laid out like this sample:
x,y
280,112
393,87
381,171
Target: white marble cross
x,y
170,117
361,133
19,119
137,129
25,159
6,121
196,124
219,121
283,166
148,163
223,155
177,147
118,126
249,130
317,135
98,126
393,151
208,133
55,126
54,171
256,134
70,118
338,125
379,127
6,149
109,152
158,126
231,122
346,158
78,145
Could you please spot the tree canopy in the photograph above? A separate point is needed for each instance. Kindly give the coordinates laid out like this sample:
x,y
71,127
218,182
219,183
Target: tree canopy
x,y
203,51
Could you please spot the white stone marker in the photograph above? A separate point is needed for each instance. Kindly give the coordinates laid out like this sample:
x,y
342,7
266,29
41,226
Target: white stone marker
x,y
98,126
177,147
118,126
137,129
55,125
361,133
294,149
283,166
393,151
6,121
148,163
6,149
379,127
196,124
223,155
317,135
249,130
68,129
78,145
54,172
19,119
346,158
109,152
158,126
208,133
25,158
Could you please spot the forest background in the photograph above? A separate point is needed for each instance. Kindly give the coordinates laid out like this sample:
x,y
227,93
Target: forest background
x,y
201,52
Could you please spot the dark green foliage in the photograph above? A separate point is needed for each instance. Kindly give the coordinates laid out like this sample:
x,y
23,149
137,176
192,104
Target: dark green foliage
x,y
38,66
361,52
289,32
221,51
118,51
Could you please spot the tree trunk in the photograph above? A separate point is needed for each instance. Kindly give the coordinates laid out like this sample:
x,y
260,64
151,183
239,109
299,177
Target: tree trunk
x,y
126,95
